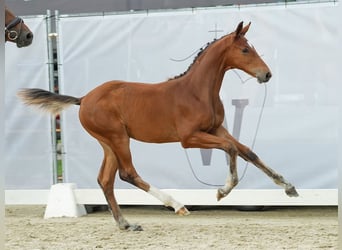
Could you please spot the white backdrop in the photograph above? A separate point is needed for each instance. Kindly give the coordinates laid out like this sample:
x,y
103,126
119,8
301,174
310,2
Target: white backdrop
x,y
299,127
28,151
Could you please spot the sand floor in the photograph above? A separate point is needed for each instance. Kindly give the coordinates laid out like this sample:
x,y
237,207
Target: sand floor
x,y
206,228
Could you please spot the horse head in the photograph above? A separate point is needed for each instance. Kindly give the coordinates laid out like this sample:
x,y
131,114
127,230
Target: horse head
x,y
16,31
243,56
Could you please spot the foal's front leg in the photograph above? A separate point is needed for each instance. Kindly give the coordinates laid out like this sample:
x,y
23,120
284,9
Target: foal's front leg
x,y
290,190
250,156
232,179
219,141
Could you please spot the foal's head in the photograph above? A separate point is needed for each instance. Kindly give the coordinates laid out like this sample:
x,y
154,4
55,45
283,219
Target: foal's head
x,y
16,31
243,56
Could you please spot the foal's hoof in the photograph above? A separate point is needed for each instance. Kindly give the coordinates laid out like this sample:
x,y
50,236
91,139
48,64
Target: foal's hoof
x,y
131,227
220,194
291,191
183,211
134,227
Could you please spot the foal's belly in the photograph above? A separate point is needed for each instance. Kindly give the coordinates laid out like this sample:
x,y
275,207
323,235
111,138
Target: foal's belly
x,y
153,133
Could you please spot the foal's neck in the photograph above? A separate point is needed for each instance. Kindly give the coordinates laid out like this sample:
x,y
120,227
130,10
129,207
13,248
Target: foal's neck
x,y
207,72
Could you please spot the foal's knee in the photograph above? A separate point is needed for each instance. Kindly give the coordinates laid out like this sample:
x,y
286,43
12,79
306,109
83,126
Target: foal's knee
x,y
248,155
252,156
232,150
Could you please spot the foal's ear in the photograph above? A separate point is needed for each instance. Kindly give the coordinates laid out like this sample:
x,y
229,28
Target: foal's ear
x,y
240,30
245,29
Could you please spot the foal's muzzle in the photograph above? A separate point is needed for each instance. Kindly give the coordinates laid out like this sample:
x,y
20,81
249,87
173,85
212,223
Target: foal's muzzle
x,y
264,76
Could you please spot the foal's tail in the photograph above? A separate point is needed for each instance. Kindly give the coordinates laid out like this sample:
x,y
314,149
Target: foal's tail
x,y
47,101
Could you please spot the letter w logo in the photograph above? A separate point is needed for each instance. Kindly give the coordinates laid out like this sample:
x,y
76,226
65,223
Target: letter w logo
x,y
240,105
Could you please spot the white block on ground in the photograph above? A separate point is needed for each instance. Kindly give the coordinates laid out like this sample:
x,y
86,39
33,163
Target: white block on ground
x,y
62,202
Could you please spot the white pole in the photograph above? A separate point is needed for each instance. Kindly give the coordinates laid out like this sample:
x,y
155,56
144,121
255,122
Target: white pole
x,y
2,128
340,143
50,37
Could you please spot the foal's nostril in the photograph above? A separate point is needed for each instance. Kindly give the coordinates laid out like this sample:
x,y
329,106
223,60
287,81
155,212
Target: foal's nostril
x,y
268,75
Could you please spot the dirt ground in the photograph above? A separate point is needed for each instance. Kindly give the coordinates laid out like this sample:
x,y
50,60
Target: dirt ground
x,y
206,228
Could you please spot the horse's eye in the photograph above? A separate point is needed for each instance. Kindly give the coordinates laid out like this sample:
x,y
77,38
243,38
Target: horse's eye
x,y
245,50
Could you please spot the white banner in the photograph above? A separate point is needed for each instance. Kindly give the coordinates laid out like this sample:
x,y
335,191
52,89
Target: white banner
x,y
298,132
28,153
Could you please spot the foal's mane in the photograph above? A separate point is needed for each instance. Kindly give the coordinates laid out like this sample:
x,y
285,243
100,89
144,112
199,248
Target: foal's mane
x,y
201,50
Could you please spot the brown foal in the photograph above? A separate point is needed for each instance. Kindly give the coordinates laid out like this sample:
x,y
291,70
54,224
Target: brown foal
x,y
185,109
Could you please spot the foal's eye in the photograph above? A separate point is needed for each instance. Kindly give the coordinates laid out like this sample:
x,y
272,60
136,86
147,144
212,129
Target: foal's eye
x,y
245,50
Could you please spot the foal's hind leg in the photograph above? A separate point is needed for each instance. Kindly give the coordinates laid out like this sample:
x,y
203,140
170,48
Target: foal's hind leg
x,y
106,181
128,173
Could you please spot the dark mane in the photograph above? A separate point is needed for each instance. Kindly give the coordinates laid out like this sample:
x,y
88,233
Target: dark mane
x,y
201,50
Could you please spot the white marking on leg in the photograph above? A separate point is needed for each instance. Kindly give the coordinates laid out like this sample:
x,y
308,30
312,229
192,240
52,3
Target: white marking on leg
x,y
165,198
230,184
